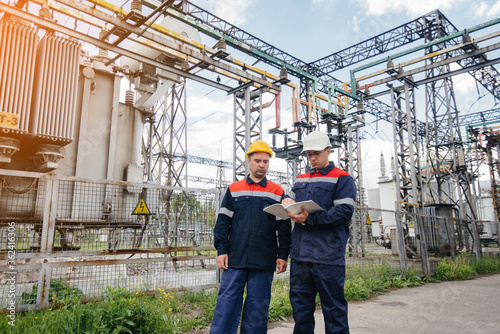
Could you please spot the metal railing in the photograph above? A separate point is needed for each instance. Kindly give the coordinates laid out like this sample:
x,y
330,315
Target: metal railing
x,y
442,236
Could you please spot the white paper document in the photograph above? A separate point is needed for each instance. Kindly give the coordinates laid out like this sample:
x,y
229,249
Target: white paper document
x,y
281,211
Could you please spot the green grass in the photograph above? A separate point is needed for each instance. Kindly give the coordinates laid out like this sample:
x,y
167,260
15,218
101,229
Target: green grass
x,y
171,313
280,307
119,312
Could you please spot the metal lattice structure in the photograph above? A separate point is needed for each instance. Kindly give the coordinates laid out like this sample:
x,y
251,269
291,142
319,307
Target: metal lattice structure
x,y
408,181
443,137
166,137
247,127
493,153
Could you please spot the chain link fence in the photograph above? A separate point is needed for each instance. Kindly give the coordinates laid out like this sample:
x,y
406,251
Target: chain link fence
x,y
63,236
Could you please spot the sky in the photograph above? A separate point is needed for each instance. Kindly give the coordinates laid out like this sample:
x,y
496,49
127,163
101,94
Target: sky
x,y
310,30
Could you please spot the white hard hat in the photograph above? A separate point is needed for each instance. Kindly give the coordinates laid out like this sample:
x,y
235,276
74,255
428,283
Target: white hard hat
x,y
316,141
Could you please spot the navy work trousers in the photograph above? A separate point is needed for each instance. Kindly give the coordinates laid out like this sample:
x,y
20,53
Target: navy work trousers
x,y
307,279
229,302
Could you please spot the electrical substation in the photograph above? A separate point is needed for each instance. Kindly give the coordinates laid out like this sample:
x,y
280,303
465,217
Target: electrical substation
x,y
94,177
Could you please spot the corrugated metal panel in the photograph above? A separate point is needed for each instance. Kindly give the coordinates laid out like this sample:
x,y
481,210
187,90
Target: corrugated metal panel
x,y
17,60
54,92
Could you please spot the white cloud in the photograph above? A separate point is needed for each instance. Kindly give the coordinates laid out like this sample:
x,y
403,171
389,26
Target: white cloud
x,y
232,11
484,9
463,84
355,23
412,8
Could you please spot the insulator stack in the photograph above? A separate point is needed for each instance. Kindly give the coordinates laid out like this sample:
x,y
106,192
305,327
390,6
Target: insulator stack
x,y
129,97
102,33
329,128
136,6
45,12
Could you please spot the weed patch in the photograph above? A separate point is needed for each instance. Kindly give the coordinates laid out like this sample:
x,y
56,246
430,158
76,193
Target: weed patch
x,y
449,270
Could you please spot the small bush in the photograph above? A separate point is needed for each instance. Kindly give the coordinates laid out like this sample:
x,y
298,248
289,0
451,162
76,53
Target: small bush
x,y
386,272
488,265
412,278
398,282
356,289
376,284
126,313
279,307
450,271
59,291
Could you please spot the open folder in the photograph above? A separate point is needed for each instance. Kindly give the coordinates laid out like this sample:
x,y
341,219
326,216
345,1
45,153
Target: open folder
x,y
281,211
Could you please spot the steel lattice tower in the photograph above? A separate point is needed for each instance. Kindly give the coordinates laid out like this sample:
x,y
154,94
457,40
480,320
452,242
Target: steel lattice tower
x,y
165,140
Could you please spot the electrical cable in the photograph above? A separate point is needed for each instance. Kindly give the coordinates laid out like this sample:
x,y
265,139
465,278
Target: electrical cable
x,y
17,192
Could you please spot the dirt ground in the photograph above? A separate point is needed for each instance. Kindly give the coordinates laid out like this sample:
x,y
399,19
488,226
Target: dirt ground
x,y
198,331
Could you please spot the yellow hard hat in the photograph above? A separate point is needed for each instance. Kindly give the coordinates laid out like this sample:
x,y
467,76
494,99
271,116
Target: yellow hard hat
x,y
259,146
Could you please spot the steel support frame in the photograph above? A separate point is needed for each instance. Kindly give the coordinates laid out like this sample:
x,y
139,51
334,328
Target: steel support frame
x,y
165,138
349,160
292,170
164,149
247,120
322,68
494,164
407,179
297,163
445,151
493,153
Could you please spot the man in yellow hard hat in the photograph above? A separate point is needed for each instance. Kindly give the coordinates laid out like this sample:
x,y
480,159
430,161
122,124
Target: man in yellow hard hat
x,y
251,245
319,239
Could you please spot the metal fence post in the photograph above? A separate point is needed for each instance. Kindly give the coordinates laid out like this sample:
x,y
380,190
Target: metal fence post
x,y
401,241
43,292
451,238
49,216
47,241
477,240
498,232
218,202
423,242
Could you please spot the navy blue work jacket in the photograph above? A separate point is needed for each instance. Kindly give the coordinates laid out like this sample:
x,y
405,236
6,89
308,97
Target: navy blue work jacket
x,y
252,238
323,237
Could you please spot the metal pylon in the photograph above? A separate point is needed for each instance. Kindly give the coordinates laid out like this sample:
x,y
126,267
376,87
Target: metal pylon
x,y
247,127
445,148
292,168
165,142
349,154
493,155
408,184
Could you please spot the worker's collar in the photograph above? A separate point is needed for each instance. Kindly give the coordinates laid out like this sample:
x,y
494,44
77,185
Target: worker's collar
x,y
262,182
325,170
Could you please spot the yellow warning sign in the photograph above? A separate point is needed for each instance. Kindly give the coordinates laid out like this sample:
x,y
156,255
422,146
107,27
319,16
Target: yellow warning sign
x,y
141,208
368,220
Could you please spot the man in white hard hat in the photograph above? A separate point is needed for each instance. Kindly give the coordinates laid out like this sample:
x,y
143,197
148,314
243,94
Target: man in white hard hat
x,y
251,245
319,239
